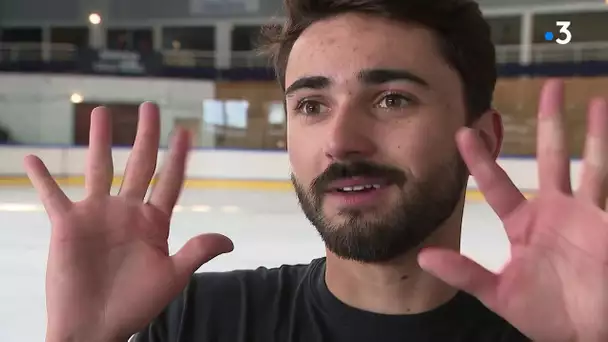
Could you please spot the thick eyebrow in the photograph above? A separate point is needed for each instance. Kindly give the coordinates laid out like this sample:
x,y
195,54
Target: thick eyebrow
x,y
370,77
312,82
380,76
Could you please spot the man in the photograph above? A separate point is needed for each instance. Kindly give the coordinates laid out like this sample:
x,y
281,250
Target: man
x,y
378,95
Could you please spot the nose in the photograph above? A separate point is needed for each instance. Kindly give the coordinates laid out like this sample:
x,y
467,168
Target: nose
x,y
349,136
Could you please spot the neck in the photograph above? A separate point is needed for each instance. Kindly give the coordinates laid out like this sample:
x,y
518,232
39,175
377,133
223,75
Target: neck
x,y
399,286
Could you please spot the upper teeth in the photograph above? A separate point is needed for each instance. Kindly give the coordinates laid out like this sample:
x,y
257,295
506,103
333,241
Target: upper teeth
x,y
360,187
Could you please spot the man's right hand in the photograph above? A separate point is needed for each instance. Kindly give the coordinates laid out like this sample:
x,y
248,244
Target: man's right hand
x,y
109,271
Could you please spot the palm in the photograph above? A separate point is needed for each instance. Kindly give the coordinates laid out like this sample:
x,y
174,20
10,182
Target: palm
x,y
147,224
109,254
132,264
557,266
555,287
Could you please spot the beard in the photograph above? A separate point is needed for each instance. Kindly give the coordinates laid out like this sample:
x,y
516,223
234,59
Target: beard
x,y
423,205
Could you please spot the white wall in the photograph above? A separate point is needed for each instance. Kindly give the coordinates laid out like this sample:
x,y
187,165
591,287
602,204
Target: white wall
x,y
231,165
37,108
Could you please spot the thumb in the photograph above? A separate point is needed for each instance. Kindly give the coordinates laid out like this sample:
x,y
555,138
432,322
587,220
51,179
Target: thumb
x,y
198,251
460,272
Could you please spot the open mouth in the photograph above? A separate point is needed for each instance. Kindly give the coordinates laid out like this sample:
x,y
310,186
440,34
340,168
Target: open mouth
x,y
359,188
357,192
357,185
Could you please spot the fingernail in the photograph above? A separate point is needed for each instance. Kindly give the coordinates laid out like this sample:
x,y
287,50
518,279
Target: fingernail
x,y
148,103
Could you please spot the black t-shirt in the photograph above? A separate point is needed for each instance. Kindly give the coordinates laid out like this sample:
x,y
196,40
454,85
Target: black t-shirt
x,y
293,304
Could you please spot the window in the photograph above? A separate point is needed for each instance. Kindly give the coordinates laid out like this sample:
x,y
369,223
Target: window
x,y
244,38
230,113
276,114
26,44
189,38
276,133
77,36
236,113
139,40
505,30
213,113
22,35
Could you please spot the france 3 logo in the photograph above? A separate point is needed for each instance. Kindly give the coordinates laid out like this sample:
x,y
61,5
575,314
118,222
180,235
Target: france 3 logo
x,y
563,37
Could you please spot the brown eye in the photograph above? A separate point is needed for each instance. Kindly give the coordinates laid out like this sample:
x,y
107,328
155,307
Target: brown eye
x,y
394,101
312,108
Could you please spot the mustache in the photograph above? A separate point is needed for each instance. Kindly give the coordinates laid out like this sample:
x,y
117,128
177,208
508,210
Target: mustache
x,y
338,171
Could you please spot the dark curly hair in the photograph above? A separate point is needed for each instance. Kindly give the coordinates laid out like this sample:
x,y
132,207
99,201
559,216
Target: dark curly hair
x,y
462,32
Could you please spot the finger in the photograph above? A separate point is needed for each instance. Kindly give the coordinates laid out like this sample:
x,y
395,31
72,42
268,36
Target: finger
x,y
595,159
498,189
166,191
552,151
54,200
198,251
459,272
99,168
142,161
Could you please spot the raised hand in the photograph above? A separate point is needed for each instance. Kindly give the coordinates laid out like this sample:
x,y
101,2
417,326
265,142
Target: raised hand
x,y
555,287
109,272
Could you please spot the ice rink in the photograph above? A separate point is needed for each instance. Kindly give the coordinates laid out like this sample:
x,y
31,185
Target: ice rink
x,y
267,228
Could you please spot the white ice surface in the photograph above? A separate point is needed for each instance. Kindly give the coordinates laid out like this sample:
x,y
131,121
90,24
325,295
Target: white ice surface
x,y
268,229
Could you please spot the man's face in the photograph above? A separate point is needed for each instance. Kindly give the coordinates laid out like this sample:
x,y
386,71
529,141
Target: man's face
x,y
373,109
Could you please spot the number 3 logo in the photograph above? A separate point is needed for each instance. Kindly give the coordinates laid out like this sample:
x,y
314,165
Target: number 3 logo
x,y
564,29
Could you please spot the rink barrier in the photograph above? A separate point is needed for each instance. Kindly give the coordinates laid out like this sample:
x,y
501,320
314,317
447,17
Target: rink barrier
x,y
188,183
220,169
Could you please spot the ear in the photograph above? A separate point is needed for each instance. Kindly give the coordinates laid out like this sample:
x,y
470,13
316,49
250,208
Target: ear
x,y
491,130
